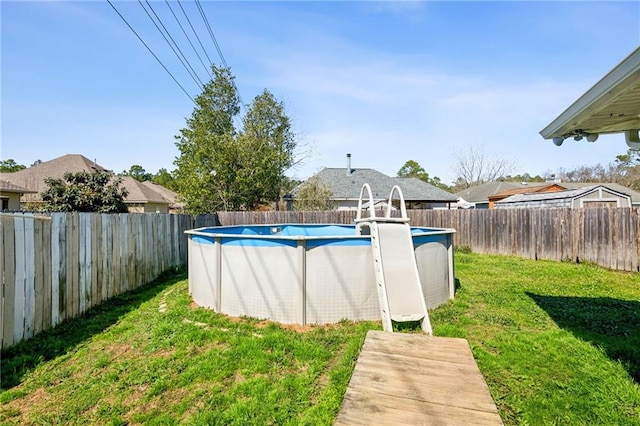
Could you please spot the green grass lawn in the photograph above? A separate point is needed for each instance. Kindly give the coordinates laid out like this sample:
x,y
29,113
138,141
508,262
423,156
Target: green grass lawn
x,y
558,343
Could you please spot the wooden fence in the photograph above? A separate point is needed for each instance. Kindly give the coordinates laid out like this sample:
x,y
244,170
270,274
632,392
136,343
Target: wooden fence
x,y
58,266
605,236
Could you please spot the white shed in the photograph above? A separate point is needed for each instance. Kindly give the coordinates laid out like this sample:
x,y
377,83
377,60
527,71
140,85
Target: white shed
x,y
590,196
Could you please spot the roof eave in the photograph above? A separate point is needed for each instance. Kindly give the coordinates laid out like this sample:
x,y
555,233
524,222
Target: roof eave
x,y
619,80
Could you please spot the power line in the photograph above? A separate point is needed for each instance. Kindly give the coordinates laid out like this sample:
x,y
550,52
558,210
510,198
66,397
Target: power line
x,y
207,69
213,38
150,51
215,42
195,33
186,66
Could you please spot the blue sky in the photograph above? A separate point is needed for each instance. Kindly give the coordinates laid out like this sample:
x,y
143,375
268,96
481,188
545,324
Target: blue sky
x,y
385,81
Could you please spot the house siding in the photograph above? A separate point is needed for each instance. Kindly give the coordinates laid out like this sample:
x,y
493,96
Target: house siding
x,y
13,201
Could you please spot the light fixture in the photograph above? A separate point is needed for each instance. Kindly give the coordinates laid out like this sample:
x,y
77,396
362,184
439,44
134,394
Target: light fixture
x,y
557,141
592,137
633,138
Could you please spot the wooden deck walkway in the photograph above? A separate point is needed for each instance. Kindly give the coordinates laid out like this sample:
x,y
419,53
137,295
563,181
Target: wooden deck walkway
x,y
412,379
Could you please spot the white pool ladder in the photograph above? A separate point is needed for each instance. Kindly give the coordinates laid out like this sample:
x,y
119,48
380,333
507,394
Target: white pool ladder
x,y
398,282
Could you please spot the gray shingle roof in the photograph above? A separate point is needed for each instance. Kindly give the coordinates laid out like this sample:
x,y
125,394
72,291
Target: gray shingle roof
x,y
347,186
481,193
635,195
33,177
166,193
556,195
415,189
140,193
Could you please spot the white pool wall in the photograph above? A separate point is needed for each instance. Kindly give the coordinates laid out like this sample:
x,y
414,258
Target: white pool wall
x,y
261,272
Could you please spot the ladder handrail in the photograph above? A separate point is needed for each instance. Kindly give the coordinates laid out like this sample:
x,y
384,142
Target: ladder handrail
x,y
403,209
372,208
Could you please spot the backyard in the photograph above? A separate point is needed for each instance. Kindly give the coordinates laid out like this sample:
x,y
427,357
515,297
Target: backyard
x,y
558,343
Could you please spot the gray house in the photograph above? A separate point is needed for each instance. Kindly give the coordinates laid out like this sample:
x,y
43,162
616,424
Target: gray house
x,y
346,184
590,196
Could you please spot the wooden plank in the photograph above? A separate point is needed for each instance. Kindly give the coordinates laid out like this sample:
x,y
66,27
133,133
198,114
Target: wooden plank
x,y
115,287
368,410
19,296
415,379
71,299
8,277
29,276
105,255
146,243
46,272
2,282
131,261
86,271
38,281
96,262
84,234
57,231
124,252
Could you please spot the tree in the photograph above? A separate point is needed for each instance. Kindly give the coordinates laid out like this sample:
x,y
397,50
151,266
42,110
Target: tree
x,y
164,178
96,192
266,151
10,166
314,195
35,163
220,168
207,163
472,167
525,177
138,173
412,169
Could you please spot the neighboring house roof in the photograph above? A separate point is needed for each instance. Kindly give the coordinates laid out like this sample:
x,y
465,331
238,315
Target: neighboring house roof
x,y
347,186
557,195
139,193
33,177
167,194
527,190
8,187
481,193
635,195
416,189
612,105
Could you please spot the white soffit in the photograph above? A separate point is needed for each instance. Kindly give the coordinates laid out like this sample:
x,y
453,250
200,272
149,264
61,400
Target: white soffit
x,y
612,105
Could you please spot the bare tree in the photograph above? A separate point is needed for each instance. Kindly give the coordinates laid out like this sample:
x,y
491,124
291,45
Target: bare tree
x,y
473,166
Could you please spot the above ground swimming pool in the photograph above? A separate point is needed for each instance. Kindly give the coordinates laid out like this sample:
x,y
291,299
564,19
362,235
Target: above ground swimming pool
x,y
305,274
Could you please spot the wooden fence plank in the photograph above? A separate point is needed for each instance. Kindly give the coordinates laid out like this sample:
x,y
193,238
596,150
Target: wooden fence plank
x,y
19,296
8,276
124,252
96,263
106,255
84,234
2,281
58,263
46,272
29,276
38,281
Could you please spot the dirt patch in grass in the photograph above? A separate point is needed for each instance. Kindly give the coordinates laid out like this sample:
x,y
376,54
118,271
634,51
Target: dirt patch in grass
x,y
21,408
